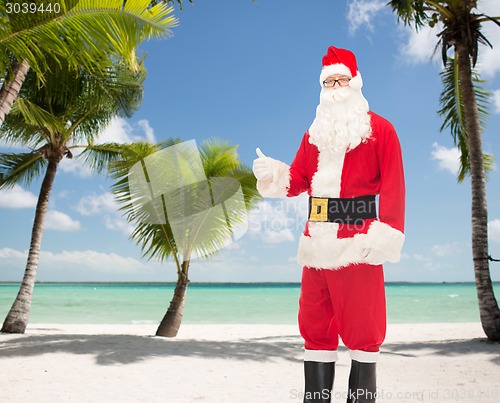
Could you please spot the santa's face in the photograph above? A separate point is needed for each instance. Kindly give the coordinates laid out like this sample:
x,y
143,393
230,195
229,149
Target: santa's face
x,y
342,118
336,88
339,80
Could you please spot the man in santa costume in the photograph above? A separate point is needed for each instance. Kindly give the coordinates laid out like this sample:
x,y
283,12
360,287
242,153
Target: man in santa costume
x,y
348,158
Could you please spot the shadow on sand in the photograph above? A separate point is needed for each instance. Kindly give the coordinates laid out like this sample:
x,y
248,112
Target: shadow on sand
x,y
110,349
445,348
126,349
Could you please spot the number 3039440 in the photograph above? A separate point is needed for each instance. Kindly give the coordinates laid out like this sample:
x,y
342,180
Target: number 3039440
x,y
32,8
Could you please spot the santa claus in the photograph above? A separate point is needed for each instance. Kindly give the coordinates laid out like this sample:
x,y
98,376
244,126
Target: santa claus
x,y
349,159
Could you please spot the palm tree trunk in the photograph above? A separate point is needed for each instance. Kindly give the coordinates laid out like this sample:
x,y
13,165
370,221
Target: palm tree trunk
x,y
11,88
18,316
171,322
488,306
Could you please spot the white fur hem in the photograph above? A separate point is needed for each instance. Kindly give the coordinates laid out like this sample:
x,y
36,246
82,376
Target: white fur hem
x,y
321,355
364,356
279,185
323,250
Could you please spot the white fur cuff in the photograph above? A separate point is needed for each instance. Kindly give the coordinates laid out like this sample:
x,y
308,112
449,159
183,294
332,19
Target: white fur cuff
x,y
279,185
321,355
364,356
385,239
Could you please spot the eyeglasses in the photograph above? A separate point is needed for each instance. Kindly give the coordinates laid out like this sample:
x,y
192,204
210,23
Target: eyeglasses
x,y
330,82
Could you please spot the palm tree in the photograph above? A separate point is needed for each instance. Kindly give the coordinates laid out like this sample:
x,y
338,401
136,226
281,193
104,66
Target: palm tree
x,y
86,33
461,32
179,2
179,222
64,114
453,109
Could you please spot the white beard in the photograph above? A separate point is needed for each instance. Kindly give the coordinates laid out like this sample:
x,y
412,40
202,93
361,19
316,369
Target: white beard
x,y
342,121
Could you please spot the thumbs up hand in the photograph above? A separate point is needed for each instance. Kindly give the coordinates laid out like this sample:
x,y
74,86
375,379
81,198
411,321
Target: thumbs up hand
x,y
262,167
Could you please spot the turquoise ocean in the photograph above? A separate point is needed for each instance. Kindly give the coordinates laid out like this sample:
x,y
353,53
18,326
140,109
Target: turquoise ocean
x,y
274,303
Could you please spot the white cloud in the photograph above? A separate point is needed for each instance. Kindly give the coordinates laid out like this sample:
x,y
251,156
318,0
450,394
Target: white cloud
x,y
420,45
9,253
273,236
17,197
148,130
448,249
68,264
448,158
104,204
92,259
58,221
496,101
424,261
118,131
494,231
73,166
489,58
362,12
278,221
118,224
94,204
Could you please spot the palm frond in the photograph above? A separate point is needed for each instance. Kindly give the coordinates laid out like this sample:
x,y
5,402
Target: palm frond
x,y
37,117
155,241
98,157
411,12
119,171
453,112
16,132
179,2
88,33
248,181
218,157
72,105
187,214
484,18
152,230
20,168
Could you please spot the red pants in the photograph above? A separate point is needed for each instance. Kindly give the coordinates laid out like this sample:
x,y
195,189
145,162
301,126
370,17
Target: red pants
x,y
348,302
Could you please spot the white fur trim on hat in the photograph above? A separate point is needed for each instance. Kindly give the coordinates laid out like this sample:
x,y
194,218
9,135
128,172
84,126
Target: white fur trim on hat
x,y
356,82
332,69
280,183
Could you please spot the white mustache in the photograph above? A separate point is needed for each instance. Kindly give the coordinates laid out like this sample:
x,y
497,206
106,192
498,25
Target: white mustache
x,y
334,95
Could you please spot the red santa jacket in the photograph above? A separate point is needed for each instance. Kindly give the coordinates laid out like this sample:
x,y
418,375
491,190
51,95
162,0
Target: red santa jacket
x,y
374,167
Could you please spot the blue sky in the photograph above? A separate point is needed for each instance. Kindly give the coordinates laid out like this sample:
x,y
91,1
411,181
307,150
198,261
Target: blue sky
x,y
247,72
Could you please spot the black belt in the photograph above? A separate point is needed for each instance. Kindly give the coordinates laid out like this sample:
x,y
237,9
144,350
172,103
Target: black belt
x,y
342,210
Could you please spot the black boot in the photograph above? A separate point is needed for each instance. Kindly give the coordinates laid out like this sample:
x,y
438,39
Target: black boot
x,y
362,383
319,381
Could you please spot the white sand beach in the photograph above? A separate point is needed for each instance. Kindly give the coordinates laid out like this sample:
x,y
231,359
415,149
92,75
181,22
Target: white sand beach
x,y
235,363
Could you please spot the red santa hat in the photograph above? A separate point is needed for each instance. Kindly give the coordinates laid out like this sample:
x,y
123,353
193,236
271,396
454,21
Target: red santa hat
x,y
341,61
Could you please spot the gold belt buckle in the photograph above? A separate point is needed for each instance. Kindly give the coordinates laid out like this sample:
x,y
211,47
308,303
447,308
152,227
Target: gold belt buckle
x,y
319,209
